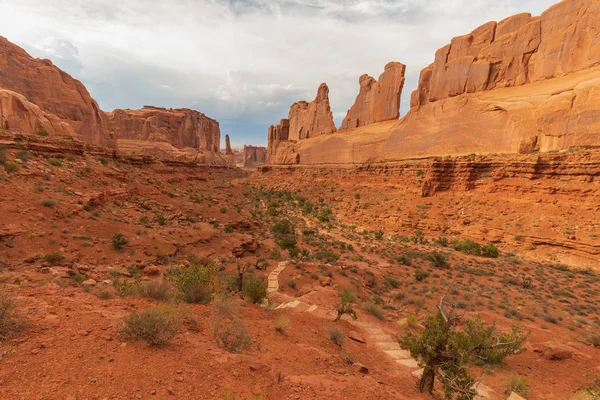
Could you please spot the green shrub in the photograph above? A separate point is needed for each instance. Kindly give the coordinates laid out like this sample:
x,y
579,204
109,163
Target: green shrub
x,y
326,255
282,227
421,275
438,260
467,246
54,258
223,210
518,384
489,250
388,281
228,329
119,241
11,321
42,133
49,203
375,310
254,288
11,167
287,242
336,335
196,283
155,325
344,306
54,162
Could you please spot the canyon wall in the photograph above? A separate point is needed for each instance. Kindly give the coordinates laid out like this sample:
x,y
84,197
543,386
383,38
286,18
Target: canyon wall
x,y
521,85
180,127
53,91
254,156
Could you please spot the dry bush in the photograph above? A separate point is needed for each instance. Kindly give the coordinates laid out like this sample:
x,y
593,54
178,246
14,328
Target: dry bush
x,y
228,328
336,335
281,323
159,290
155,325
11,321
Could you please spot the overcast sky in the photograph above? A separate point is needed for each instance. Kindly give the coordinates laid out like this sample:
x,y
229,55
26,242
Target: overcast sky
x,y
242,62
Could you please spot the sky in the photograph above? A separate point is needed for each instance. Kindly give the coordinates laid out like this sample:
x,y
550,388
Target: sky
x,y
242,62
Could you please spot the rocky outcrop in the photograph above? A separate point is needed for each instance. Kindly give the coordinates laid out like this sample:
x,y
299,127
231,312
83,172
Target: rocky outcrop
x,y
377,101
20,115
254,156
55,92
228,150
312,119
515,51
180,127
521,85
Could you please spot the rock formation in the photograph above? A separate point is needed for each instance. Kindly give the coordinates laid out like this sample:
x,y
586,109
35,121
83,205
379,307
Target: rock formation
x,y
228,150
254,156
20,115
53,91
377,100
180,127
521,85
311,119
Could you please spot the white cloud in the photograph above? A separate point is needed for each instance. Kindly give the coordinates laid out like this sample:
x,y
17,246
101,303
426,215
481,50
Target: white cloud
x,y
242,62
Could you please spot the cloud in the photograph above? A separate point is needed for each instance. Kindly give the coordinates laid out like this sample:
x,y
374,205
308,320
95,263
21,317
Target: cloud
x,y
243,62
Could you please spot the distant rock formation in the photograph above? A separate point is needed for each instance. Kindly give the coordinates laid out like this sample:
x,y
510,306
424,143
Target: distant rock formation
x,y
521,85
311,119
55,92
180,127
20,115
377,101
228,150
254,156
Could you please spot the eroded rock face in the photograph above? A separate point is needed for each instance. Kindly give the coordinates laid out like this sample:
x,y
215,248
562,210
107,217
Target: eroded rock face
x,y
311,119
180,127
20,115
377,101
228,150
55,92
254,156
515,51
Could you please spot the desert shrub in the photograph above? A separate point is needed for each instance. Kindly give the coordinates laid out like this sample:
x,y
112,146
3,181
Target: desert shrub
x,y
126,288
378,235
489,250
516,383
438,260
418,237
119,241
49,203
442,241
326,255
78,279
421,275
412,321
404,259
281,323
223,210
54,258
196,283
11,167
336,335
11,321
42,133
467,246
287,242
254,288
388,281
159,290
292,284
344,306
375,310
54,162
155,325
594,339
282,227
228,329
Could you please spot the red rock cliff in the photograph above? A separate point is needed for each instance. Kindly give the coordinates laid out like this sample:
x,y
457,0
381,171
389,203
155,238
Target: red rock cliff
x,y
53,91
180,127
254,156
515,51
377,101
311,119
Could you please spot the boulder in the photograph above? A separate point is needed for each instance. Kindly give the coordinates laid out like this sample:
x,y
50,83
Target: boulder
x,y
357,337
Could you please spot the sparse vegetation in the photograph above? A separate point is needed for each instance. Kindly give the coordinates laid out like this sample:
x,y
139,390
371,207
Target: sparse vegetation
x,y
336,335
254,288
155,325
518,384
344,306
119,241
281,323
11,322
195,283
228,329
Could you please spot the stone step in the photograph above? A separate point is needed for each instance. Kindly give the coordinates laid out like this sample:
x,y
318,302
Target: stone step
x,y
381,338
374,330
410,363
398,354
388,345
312,308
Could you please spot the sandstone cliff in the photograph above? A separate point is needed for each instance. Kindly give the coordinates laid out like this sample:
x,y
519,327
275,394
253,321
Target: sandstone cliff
x,y
180,127
228,150
377,100
53,91
254,156
521,85
311,119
